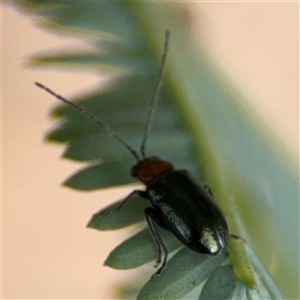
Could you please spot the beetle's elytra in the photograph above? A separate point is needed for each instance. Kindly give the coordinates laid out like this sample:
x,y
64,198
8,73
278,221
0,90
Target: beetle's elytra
x,y
178,202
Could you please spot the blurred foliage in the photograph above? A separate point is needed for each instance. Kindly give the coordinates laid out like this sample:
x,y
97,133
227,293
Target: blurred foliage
x,y
200,124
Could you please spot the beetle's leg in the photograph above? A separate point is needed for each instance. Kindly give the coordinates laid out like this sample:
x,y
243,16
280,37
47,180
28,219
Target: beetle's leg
x,y
208,189
151,216
135,193
237,237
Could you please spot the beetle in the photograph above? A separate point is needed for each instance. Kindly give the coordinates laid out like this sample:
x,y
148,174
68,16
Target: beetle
x,y
179,203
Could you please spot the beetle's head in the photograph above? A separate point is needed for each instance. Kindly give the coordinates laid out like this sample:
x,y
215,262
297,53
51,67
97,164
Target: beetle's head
x,y
149,168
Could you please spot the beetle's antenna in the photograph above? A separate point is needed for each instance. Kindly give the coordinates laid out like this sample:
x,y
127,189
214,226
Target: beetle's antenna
x,y
155,95
92,117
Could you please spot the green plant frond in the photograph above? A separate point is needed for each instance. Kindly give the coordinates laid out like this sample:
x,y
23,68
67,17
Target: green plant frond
x,y
128,256
114,216
198,125
229,286
92,61
186,270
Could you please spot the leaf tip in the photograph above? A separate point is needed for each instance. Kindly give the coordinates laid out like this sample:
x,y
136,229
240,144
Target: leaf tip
x,y
93,224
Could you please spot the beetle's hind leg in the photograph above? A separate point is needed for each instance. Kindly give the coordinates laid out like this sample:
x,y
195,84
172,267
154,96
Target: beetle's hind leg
x,y
151,216
237,237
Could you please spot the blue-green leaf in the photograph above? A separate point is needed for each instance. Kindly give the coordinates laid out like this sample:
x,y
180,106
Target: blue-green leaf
x,y
185,271
115,217
222,284
99,175
139,250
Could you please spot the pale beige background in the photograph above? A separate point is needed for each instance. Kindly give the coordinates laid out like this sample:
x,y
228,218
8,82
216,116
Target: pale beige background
x,y
47,251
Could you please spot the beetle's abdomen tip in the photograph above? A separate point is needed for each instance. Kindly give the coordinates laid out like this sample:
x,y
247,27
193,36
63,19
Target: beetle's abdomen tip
x,y
213,242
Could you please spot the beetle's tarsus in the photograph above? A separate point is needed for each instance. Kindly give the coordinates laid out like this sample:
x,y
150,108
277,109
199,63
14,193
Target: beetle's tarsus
x,y
237,237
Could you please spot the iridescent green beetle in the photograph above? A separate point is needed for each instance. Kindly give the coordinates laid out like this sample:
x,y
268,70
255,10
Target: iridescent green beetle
x,y
178,202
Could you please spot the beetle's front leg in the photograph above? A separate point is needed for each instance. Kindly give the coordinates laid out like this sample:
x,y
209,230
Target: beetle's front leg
x,y
151,216
135,193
